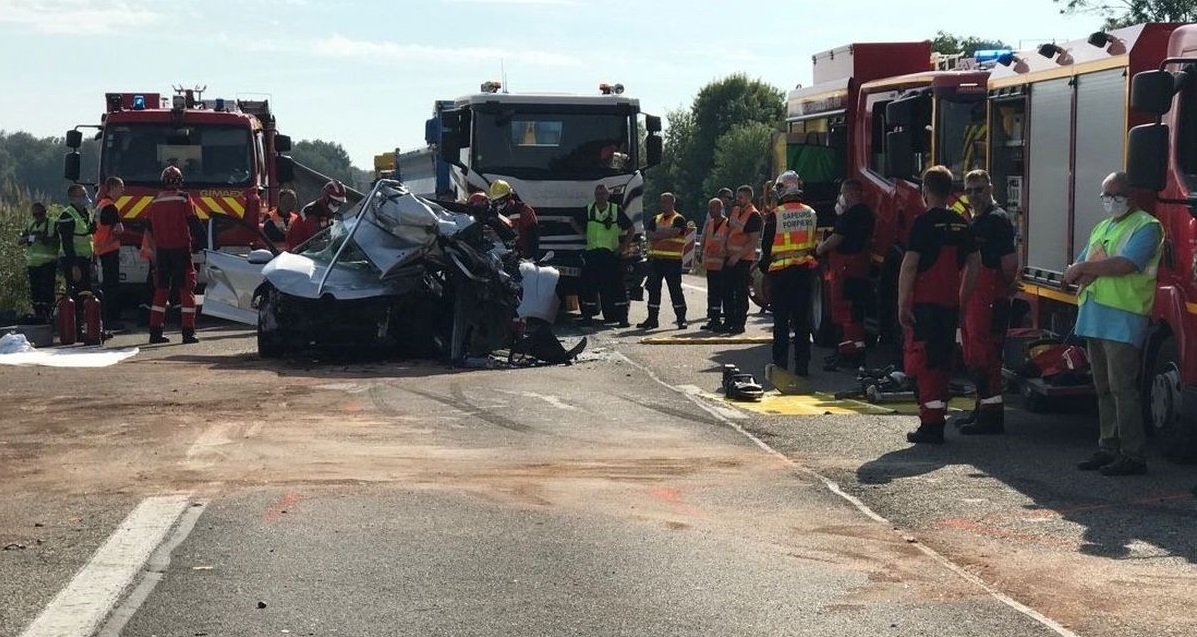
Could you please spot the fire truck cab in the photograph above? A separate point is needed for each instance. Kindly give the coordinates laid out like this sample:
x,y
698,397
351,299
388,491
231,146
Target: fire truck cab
x,y
1162,160
227,150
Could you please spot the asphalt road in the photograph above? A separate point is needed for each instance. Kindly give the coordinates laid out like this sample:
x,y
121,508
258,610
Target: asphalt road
x,y
407,498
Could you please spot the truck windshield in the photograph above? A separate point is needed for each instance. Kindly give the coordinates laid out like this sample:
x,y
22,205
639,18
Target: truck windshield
x,y
962,133
207,155
563,146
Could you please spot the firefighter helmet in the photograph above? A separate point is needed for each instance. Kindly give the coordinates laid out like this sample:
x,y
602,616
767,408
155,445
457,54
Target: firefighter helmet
x,y
789,184
478,199
172,177
334,193
499,189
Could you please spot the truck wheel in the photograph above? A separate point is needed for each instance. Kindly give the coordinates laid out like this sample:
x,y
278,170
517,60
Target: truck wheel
x,y
271,340
1162,399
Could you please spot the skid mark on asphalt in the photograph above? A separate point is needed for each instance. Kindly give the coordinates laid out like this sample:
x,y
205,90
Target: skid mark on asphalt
x,y
681,414
461,403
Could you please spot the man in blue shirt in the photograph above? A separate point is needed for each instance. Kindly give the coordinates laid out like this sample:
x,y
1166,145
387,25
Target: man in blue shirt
x,y
1116,272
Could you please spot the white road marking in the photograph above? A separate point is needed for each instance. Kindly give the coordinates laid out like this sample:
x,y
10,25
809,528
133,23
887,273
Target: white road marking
x,y
87,600
695,287
833,487
723,411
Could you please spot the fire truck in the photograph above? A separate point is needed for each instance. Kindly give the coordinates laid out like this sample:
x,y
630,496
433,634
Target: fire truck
x,y
553,150
902,125
1065,116
227,149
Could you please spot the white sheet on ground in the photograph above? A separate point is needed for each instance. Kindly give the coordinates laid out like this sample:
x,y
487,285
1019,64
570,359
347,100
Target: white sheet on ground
x,y
70,357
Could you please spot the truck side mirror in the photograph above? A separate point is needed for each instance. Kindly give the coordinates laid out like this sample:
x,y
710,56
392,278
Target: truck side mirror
x,y
1147,156
282,143
654,150
899,155
1152,91
70,166
652,124
284,168
74,138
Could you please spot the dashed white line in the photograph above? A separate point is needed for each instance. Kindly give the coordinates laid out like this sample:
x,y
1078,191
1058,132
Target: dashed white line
x,y
87,600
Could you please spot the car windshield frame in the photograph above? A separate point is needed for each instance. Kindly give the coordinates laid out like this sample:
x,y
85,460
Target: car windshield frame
x,y
554,144
135,168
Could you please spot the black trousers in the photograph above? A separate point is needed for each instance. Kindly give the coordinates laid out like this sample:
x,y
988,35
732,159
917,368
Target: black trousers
x,y
41,288
602,279
110,270
669,271
84,283
714,294
790,297
736,280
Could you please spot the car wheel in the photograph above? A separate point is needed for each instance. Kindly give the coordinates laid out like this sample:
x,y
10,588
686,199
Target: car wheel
x,y
271,340
1162,400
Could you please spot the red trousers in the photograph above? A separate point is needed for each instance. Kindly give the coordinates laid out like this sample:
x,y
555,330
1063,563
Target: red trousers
x,y
847,277
983,331
173,274
930,348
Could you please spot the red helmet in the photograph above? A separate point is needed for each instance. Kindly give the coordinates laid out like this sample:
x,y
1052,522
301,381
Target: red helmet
x,y
478,199
172,177
334,192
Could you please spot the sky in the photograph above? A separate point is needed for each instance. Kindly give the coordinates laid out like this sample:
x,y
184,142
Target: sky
x,y
366,74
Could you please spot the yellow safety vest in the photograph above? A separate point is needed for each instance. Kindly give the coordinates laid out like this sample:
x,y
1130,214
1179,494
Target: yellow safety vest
x,y
794,239
44,248
1133,292
602,228
671,248
82,236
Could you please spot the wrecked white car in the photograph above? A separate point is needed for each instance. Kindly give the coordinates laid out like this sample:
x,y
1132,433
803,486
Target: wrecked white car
x,y
397,275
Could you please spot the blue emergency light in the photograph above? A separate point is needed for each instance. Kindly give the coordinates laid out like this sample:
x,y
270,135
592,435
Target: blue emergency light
x,y
139,102
220,104
984,56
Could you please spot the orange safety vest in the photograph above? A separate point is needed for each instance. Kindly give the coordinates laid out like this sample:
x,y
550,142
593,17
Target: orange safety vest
x,y
714,244
671,248
737,239
794,239
107,238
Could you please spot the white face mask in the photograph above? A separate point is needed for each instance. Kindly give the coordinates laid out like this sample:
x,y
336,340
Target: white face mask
x,y
1115,206
840,205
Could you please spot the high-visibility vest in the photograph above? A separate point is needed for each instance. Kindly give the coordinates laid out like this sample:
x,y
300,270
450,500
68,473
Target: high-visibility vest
x,y
737,239
1133,292
44,248
671,248
82,235
794,239
714,244
108,238
602,227
960,204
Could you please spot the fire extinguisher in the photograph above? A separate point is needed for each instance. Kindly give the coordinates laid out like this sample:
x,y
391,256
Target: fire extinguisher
x,y
92,326
66,320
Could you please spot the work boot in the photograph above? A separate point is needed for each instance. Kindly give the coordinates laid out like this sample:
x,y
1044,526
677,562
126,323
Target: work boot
x,y
624,323
1099,459
734,330
682,324
713,323
986,423
650,323
157,338
965,419
189,337
586,321
1124,466
930,433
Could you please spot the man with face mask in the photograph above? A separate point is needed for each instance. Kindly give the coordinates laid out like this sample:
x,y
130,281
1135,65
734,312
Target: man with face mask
x,y
847,252
315,216
987,315
75,228
41,259
1117,275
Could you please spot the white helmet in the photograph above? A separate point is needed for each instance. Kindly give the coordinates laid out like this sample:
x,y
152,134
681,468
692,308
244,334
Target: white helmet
x,y
788,184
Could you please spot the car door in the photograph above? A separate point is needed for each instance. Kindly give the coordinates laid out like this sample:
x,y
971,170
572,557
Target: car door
x,y
232,280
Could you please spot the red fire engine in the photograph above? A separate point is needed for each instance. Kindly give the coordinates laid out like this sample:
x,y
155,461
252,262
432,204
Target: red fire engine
x,y
228,151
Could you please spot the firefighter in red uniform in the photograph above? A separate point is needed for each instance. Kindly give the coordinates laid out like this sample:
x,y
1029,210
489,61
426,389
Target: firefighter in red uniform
x,y
788,256
847,252
172,218
506,202
987,314
939,272
315,216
